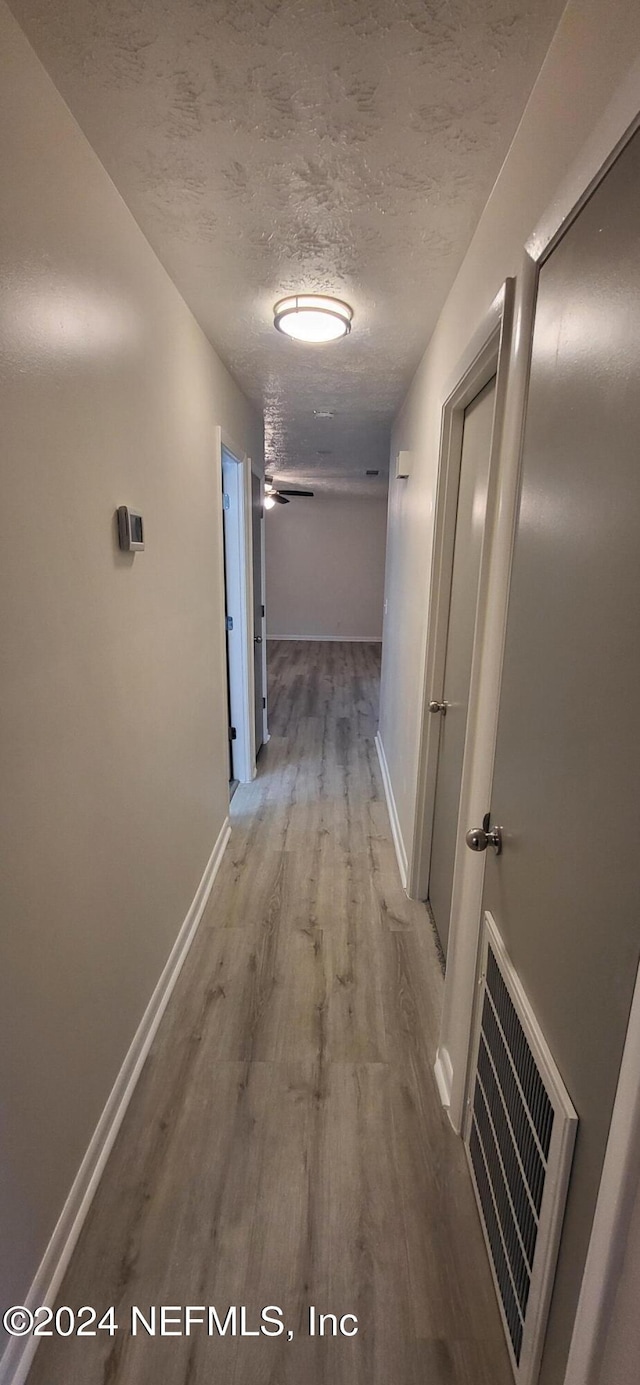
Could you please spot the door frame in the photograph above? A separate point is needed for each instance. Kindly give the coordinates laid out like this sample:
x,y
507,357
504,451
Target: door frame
x,y
241,679
263,588
258,475
452,1058
484,357
621,1170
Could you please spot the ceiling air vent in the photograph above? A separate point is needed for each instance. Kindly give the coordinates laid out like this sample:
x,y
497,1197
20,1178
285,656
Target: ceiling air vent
x,y
372,473
520,1133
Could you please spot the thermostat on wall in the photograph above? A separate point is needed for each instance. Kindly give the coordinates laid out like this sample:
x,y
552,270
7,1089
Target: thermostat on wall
x,y
130,529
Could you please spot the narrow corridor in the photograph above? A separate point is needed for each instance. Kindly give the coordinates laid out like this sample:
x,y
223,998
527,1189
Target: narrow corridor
x,y
285,1144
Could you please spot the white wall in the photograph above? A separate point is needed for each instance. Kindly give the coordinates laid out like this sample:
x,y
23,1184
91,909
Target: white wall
x,y
113,759
593,49
325,568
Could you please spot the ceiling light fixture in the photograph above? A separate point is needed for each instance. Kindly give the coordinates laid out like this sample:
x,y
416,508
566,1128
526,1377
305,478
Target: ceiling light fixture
x,y
312,317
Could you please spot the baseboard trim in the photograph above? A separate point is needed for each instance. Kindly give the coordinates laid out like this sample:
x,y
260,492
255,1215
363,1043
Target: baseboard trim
x,y
444,1077
17,1358
396,832
330,639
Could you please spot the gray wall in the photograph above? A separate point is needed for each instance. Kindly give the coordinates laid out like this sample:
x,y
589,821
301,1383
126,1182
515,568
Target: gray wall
x,y
325,567
593,52
622,1347
113,758
594,48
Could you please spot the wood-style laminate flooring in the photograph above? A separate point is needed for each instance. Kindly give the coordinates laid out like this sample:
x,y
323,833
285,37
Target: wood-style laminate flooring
x,y
285,1144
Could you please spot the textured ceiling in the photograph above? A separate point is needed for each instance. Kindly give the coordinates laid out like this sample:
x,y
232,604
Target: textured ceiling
x,y
269,146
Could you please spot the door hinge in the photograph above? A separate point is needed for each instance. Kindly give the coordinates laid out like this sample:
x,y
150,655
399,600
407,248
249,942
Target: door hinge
x,y
262,610
228,624
264,701
232,733
226,502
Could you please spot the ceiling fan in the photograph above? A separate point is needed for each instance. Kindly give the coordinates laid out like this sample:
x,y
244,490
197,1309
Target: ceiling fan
x,y
278,495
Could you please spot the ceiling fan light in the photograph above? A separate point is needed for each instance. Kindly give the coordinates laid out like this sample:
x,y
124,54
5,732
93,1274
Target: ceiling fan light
x,y
269,502
312,317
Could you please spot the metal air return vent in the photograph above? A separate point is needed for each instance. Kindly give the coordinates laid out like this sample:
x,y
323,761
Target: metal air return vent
x,y
520,1133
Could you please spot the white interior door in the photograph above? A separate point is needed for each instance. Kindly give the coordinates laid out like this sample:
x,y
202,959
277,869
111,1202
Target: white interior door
x,y
565,891
470,520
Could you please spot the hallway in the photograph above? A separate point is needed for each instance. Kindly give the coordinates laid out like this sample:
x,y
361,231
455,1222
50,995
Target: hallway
x,y
285,1144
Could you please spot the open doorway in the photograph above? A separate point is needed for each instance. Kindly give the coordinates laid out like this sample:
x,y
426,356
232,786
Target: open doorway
x,y
236,517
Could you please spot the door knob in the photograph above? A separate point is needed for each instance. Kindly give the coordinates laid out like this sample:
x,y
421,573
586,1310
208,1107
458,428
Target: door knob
x,y
479,838
257,639
439,707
